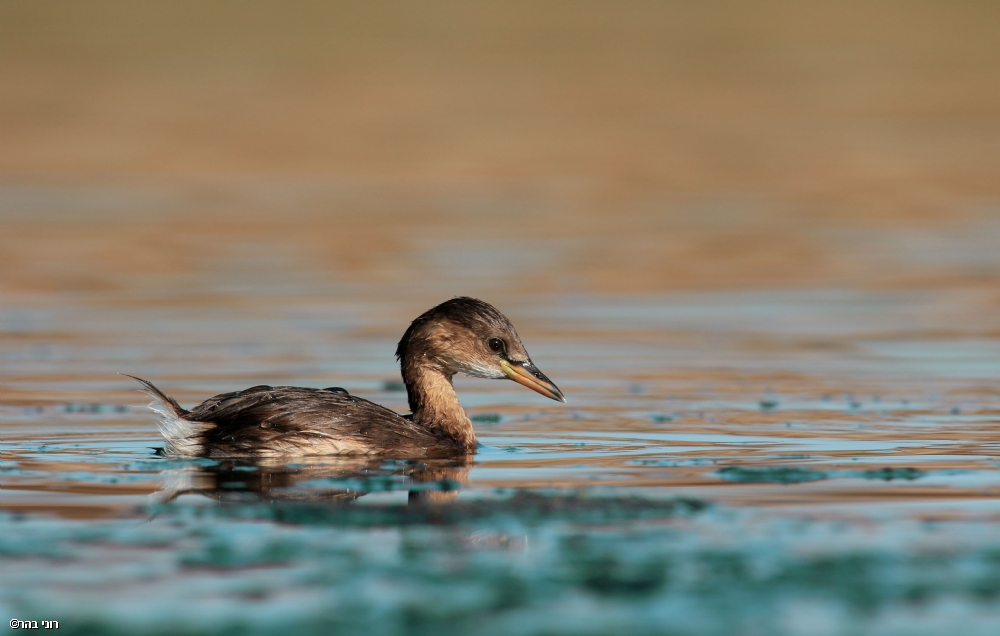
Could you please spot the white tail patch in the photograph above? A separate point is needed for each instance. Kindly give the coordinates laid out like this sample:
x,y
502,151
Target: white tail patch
x,y
183,437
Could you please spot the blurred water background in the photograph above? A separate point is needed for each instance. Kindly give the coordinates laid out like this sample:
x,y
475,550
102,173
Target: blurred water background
x,y
754,243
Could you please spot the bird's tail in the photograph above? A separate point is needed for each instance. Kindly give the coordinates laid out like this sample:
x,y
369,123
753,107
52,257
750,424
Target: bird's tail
x,y
159,395
181,435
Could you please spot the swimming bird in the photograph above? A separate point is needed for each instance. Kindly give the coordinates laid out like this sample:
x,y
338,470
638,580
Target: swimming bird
x,y
462,335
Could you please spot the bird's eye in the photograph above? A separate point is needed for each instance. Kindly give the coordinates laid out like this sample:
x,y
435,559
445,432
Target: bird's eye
x,y
496,345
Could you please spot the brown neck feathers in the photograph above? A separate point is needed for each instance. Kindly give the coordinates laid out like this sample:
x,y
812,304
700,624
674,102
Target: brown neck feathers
x,y
435,405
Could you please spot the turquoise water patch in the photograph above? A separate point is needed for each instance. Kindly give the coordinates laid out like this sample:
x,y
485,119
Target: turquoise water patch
x,y
771,475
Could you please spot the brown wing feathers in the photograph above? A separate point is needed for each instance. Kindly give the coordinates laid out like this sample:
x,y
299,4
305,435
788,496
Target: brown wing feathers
x,y
270,421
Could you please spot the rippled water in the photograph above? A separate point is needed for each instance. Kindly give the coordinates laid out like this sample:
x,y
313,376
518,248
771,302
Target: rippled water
x,y
796,461
755,244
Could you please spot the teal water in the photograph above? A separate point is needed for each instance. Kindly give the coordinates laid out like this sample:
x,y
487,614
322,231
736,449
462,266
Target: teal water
x,y
751,463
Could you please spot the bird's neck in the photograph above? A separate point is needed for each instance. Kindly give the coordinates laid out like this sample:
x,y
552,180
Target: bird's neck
x,y
435,405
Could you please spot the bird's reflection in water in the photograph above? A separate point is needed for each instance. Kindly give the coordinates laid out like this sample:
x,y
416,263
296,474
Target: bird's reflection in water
x,y
337,483
337,480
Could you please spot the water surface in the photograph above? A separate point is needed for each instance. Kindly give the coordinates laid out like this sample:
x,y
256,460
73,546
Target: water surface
x,y
754,461
754,244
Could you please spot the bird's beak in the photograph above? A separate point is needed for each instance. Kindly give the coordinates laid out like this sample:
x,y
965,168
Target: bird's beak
x,y
528,374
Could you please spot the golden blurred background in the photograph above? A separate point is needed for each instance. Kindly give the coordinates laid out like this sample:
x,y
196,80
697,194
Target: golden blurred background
x,y
440,148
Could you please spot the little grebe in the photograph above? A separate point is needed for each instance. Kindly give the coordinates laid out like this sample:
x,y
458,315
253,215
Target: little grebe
x,y
461,335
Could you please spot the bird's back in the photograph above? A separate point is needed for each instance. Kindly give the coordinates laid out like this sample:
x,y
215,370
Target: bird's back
x,y
265,421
